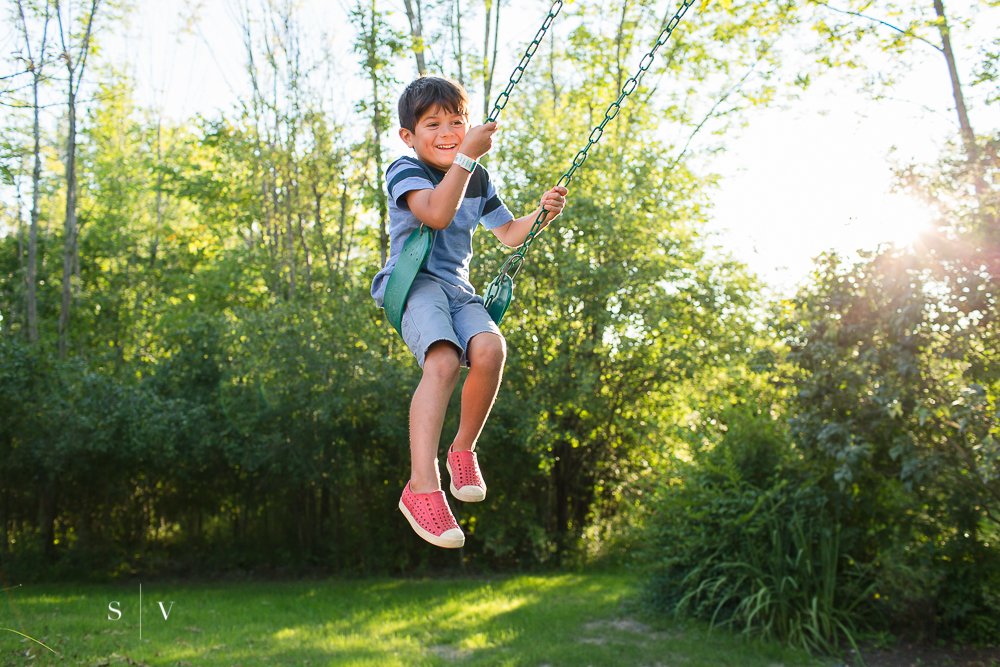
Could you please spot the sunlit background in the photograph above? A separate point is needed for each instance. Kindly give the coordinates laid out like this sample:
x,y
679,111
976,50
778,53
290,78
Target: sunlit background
x,y
804,176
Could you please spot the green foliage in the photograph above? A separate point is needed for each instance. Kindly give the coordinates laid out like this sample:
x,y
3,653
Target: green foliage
x,y
896,399
743,535
233,399
882,511
790,592
897,382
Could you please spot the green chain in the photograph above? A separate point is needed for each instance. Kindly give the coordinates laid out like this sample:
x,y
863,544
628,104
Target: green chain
x,y
515,76
514,262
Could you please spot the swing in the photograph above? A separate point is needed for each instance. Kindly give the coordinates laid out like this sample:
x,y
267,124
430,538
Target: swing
x,y
500,292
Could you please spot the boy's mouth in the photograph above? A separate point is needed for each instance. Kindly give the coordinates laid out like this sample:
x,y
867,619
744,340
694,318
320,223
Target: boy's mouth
x,y
446,147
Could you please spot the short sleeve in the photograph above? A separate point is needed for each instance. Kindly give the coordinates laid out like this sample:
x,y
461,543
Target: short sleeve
x,y
495,213
404,176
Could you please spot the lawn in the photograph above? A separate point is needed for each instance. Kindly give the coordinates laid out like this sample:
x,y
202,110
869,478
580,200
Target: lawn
x,y
563,620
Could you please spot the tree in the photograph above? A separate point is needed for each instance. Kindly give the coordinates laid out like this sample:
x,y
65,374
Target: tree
x,y
455,28
76,64
490,63
416,20
894,31
379,45
36,68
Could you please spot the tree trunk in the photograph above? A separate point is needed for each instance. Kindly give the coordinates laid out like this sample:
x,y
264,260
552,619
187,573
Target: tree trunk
x,y
496,49
290,250
456,41
383,206
343,216
487,68
22,275
416,34
4,521
350,245
371,43
69,225
968,136
318,222
552,71
324,509
619,38
47,519
85,527
307,266
36,174
561,473
154,246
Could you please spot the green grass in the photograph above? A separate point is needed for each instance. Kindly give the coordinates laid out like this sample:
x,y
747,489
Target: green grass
x,y
557,620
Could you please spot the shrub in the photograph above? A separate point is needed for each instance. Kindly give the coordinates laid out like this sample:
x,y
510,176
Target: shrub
x,y
744,536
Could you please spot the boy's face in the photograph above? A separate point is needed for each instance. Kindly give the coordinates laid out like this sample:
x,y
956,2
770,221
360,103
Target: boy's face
x,y
437,137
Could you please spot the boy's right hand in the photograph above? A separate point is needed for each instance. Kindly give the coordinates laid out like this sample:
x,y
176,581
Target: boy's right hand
x,y
478,141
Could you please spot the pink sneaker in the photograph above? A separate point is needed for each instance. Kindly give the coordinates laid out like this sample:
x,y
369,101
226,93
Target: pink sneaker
x,y
466,480
431,518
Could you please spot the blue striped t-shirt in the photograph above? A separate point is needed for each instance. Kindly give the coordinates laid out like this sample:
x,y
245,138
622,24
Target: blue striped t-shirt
x,y
452,249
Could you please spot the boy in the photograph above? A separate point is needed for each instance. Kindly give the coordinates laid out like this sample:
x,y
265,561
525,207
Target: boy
x,y
445,324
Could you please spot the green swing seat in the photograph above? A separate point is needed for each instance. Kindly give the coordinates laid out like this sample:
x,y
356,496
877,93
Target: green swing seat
x,y
411,260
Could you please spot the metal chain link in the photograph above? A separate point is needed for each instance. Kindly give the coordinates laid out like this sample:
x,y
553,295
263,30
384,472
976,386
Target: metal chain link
x,y
515,76
514,262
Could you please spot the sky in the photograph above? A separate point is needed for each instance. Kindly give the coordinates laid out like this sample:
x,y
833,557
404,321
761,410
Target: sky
x,y
815,177
801,178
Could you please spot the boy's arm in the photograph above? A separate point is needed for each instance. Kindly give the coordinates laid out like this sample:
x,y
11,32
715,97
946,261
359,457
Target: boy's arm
x,y
516,231
437,208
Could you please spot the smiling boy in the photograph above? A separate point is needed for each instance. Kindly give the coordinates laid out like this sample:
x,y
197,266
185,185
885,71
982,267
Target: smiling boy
x,y
445,323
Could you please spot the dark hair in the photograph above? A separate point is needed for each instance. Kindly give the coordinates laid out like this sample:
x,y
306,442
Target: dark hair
x,y
427,93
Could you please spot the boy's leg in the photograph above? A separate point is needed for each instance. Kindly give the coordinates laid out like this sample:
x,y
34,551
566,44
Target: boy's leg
x,y
487,353
427,410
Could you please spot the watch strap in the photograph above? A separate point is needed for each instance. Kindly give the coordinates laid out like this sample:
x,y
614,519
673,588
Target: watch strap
x,y
465,162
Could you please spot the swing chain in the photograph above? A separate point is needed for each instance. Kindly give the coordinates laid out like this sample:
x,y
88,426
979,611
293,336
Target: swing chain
x,y
595,135
515,76
627,89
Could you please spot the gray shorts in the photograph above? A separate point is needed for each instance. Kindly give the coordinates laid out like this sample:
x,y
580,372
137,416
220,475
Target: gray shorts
x,y
436,310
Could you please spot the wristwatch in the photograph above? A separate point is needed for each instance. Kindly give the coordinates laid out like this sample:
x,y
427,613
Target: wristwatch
x,y
465,162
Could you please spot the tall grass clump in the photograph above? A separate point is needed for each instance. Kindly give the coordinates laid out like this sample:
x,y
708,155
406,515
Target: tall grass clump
x,y
744,536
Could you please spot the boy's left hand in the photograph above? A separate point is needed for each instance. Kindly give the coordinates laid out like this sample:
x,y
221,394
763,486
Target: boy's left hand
x,y
554,201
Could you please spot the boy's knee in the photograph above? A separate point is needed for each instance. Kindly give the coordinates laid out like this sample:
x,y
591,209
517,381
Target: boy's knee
x,y
488,350
441,362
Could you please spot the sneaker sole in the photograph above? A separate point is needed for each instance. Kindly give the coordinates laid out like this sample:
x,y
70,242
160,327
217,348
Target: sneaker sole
x,y
436,540
474,494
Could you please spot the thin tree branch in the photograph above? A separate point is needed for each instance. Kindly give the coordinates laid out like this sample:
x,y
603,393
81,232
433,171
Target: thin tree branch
x,y
15,74
85,47
711,113
989,515
888,25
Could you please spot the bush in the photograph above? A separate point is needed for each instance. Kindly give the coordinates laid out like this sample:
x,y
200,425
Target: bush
x,y
745,537
896,400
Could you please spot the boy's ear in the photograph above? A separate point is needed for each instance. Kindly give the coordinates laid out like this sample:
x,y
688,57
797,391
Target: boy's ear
x,y
406,136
